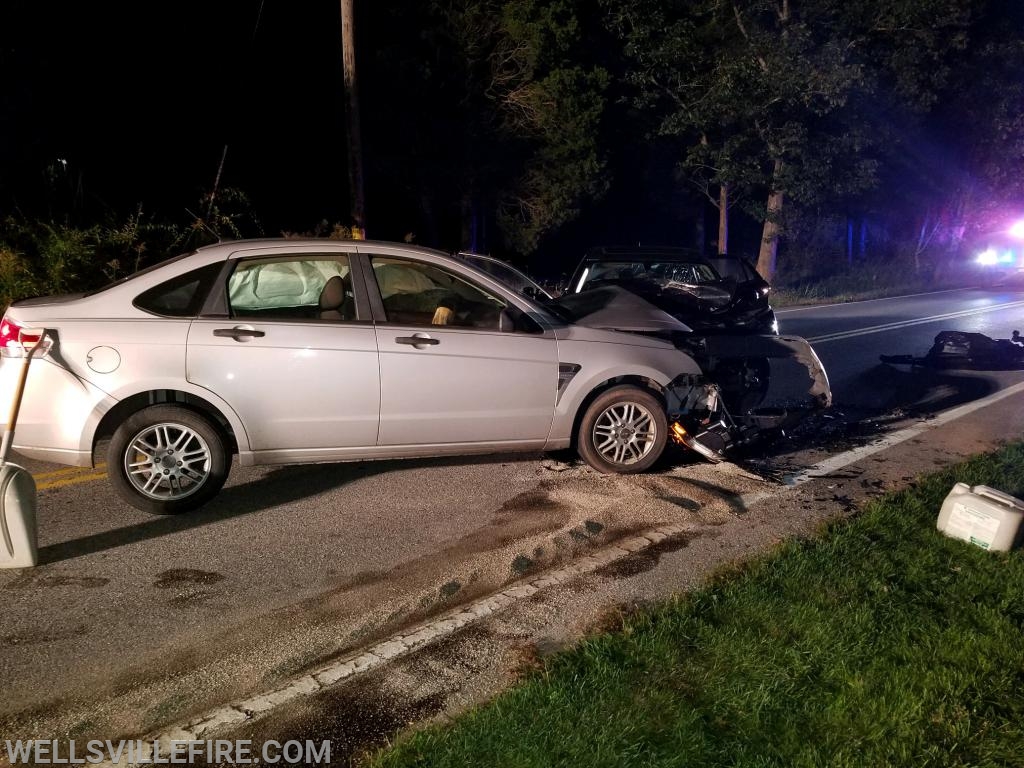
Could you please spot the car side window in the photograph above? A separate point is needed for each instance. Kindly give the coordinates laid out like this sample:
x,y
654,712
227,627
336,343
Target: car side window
x,y
292,288
416,293
181,296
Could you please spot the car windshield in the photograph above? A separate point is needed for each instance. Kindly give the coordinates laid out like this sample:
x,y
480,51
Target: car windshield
x,y
665,274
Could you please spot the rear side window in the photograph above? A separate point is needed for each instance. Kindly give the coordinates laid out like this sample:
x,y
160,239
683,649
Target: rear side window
x,y
296,287
181,296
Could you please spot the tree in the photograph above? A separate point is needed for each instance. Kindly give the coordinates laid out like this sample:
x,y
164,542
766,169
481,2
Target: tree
x,y
751,89
556,97
507,102
785,99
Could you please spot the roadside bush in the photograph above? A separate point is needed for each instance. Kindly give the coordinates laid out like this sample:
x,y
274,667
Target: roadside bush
x,y
16,278
325,230
829,258
39,257
866,281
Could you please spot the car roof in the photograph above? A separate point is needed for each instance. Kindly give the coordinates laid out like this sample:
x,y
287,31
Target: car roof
x,y
284,242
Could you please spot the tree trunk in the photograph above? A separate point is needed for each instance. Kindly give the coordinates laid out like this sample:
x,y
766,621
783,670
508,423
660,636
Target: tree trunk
x,y
723,219
216,183
849,241
770,236
355,144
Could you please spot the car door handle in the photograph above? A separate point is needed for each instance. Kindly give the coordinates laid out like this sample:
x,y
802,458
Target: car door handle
x,y
419,340
239,333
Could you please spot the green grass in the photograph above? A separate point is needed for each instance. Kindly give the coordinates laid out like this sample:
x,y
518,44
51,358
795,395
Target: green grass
x,y
879,643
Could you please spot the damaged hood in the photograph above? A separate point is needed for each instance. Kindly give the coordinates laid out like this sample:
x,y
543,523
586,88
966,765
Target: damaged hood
x,y
616,309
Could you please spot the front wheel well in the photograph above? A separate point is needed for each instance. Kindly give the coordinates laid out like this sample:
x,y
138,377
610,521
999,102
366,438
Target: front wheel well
x,y
638,381
113,418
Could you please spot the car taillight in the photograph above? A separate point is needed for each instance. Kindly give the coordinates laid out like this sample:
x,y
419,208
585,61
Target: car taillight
x,y
14,337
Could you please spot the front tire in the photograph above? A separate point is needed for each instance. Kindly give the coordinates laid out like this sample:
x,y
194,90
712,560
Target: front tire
x,y
166,460
623,431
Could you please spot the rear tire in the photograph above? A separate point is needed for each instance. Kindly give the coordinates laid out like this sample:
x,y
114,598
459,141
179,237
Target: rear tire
x,y
166,460
623,431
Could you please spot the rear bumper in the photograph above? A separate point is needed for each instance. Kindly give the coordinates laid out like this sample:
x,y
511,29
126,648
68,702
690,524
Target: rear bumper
x,y
56,455
59,412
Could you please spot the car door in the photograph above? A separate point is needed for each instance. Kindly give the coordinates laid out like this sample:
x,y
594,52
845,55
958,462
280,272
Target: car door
x,y
295,355
460,364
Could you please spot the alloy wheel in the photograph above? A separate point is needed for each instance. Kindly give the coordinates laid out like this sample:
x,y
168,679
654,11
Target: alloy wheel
x,y
624,433
167,461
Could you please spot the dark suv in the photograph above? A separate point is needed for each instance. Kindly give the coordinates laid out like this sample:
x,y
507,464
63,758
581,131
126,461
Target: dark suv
x,y
709,294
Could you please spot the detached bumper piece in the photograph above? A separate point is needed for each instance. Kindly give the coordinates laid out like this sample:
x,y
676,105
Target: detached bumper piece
x,y
967,351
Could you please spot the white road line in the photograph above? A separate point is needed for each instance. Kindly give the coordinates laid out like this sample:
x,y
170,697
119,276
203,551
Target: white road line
x,y
837,462
907,323
789,310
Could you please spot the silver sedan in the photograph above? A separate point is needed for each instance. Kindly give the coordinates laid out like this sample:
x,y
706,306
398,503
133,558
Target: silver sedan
x,y
291,351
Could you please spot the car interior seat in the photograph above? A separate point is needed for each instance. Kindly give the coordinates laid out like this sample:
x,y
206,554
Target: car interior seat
x,y
335,300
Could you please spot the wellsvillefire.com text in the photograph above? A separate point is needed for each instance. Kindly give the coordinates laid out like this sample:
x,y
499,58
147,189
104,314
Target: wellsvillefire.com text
x,y
139,752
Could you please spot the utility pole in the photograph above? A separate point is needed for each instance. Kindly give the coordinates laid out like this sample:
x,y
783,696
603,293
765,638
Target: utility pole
x,y
355,145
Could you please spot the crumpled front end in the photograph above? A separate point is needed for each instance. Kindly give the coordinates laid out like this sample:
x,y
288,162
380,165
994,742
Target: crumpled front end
x,y
750,385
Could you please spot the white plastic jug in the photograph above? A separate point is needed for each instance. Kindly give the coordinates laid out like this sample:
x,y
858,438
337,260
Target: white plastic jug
x,y
982,516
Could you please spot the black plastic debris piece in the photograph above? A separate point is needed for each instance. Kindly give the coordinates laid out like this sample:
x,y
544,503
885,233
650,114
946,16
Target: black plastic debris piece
x,y
962,350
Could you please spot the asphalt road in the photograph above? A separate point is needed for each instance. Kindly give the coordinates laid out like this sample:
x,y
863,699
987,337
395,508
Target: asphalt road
x,y
850,337
133,621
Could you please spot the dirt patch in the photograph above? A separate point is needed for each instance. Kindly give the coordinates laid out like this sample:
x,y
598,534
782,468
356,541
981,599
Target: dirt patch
x,y
189,599
528,514
645,559
357,719
38,637
177,577
362,716
521,564
30,581
450,589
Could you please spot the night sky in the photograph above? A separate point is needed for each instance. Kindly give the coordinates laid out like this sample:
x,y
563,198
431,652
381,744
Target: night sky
x,y
140,99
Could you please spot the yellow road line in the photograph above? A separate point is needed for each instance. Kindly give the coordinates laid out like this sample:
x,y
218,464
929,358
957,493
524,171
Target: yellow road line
x,y
73,480
67,471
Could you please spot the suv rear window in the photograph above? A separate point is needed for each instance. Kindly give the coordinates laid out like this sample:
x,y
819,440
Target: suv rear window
x,y
659,272
181,296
